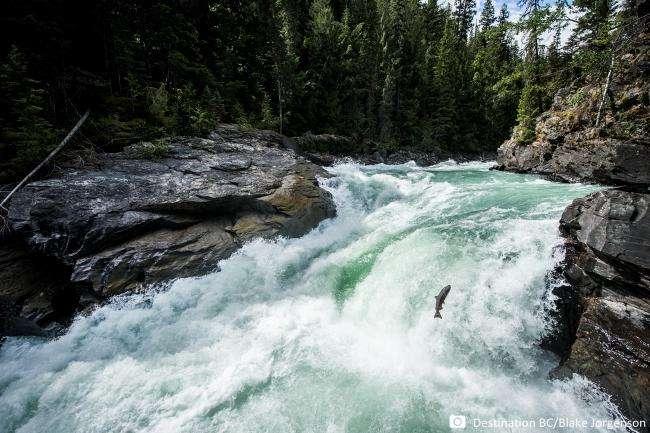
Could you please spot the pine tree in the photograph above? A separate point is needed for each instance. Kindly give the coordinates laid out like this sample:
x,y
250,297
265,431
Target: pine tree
x,y
487,16
448,68
464,11
496,87
504,14
393,34
26,135
506,90
531,104
593,34
325,77
361,68
428,95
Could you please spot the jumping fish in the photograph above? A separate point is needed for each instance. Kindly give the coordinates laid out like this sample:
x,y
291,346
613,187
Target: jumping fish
x,y
440,299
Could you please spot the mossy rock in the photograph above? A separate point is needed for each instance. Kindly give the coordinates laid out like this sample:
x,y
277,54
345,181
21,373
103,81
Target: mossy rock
x,y
152,150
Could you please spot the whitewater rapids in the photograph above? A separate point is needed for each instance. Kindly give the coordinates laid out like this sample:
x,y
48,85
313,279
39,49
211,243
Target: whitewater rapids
x,y
333,331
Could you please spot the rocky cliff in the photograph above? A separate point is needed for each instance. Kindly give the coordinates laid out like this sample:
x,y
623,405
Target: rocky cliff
x,y
604,309
602,328
155,212
568,145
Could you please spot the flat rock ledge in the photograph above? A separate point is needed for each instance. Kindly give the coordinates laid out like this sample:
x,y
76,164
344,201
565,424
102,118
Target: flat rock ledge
x,y
152,213
603,311
581,157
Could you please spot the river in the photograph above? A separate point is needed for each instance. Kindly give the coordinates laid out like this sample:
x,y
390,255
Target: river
x,y
333,331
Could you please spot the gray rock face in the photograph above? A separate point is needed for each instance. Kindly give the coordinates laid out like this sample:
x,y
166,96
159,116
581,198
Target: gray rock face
x,y
133,221
611,349
604,312
580,158
615,225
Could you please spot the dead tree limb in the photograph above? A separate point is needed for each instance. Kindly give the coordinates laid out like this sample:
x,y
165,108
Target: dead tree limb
x,y
605,91
46,160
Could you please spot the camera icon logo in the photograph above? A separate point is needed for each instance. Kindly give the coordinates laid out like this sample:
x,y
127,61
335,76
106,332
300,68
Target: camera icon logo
x,y
457,421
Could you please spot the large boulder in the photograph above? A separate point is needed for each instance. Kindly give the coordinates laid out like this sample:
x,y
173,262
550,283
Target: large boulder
x,y
603,313
168,209
581,156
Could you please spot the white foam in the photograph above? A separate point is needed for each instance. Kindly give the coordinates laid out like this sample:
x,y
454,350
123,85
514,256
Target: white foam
x,y
330,332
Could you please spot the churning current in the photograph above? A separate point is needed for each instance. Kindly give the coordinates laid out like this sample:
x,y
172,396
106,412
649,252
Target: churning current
x,y
333,331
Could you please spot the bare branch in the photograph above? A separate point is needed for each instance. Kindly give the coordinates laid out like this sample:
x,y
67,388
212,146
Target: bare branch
x,y
45,161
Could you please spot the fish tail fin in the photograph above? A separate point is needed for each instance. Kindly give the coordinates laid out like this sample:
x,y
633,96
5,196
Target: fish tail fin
x,y
437,315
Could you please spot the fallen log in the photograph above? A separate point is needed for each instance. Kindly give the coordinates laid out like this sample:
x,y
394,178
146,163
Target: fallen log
x,y
46,160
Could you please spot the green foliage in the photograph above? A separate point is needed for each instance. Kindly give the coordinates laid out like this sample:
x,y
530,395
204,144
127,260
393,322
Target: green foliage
x,y
379,70
196,113
464,11
152,150
158,105
27,135
496,79
487,16
577,98
504,14
527,113
539,68
324,84
402,73
268,119
593,34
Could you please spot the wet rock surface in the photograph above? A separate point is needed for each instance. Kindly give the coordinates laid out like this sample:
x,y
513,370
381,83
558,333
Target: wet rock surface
x,y
134,220
603,317
582,156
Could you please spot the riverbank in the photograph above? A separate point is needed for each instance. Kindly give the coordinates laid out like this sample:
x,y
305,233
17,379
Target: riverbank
x,y
602,326
605,306
327,149
148,216
159,211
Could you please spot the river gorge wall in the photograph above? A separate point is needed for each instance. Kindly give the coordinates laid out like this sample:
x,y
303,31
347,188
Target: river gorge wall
x,y
602,328
150,214
604,307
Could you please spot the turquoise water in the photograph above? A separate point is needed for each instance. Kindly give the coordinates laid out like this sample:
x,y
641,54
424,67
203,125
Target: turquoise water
x,y
333,331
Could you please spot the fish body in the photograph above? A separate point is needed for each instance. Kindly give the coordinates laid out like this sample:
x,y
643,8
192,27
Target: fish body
x,y
440,300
